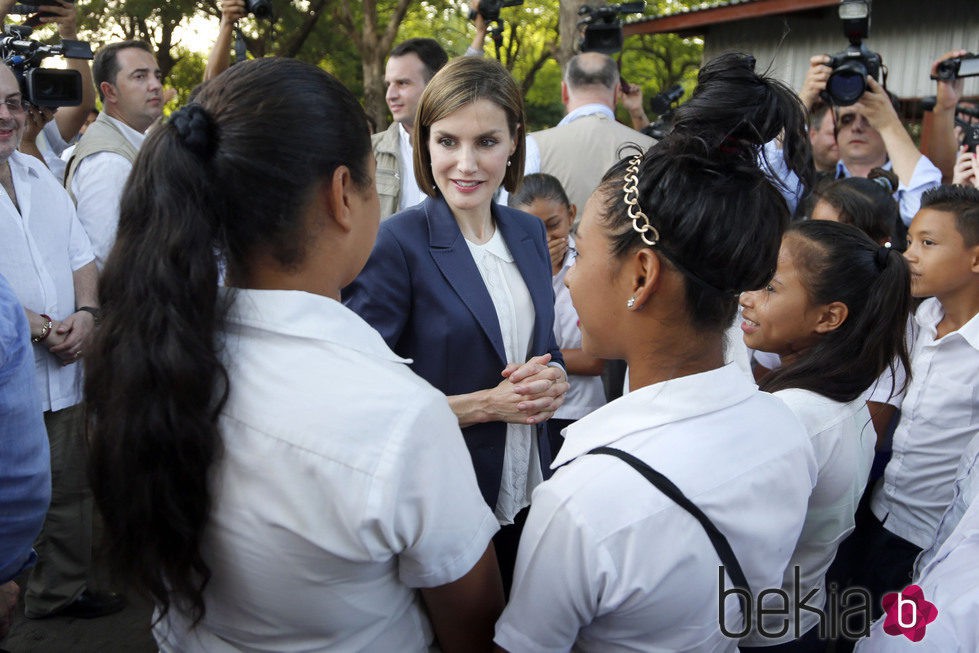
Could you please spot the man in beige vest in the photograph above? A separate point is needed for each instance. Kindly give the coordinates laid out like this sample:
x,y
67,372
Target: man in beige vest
x,y
129,83
587,141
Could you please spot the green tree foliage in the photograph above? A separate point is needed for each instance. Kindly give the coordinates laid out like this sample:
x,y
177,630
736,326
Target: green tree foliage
x,y
351,40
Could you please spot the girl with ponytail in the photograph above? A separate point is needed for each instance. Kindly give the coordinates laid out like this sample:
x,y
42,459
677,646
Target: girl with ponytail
x,y
835,311
253,446
610,560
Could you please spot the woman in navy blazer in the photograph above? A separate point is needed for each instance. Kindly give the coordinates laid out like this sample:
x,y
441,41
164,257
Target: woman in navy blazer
x,y
424,292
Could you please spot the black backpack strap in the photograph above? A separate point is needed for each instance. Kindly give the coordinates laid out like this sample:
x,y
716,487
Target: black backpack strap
x,y
666,486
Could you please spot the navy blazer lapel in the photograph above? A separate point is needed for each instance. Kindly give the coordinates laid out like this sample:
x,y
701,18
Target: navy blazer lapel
x,y
520,241
452,256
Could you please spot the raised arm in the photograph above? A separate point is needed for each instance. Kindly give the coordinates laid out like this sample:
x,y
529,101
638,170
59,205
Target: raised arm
x,y
219,58
938,140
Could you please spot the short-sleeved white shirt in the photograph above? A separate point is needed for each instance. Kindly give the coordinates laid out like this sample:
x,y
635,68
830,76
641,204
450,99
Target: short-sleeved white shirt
x,y
43,244
607,563
950,581
586,392
939,415
343,484
97,186
843,439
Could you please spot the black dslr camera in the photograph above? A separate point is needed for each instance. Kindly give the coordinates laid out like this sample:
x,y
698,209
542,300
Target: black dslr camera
x,y
490,9
848,81
603,28
964,66
43,87
260,8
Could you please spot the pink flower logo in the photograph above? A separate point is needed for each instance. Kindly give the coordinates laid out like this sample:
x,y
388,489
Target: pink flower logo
x,y
908,613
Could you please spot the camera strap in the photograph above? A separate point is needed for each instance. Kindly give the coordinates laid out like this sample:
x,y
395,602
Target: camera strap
x,y
717,538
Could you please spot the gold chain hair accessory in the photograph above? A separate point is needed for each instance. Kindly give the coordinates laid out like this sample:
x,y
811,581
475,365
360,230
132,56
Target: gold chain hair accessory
x,y
630,190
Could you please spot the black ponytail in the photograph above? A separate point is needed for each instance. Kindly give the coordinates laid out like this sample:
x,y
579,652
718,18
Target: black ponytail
x,y
225,180
838,262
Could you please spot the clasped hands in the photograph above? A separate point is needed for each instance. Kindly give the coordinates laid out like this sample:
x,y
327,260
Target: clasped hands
x,y
530,392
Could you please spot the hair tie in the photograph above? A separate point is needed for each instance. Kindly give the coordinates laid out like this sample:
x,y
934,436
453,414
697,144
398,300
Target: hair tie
x,y
196,130
885,183
881,256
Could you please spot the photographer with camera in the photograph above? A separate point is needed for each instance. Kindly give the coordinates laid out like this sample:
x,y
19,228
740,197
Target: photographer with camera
x,y
219,58
54,136
940,140
869,134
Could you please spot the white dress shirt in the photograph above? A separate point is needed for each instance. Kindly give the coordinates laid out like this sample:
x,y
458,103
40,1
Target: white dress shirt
x,y
411,194
343,484
950,581
97,187
43,245
939,415
965,493
609,564
515,312
52,147
586,392
843,439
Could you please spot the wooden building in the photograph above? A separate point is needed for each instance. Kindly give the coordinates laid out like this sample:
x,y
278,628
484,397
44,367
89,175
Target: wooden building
x,y
783,34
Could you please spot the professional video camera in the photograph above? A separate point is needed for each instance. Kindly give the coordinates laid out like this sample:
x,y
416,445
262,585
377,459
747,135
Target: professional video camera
x,y
603,28
43,87
848,81
965,66
490,9
663,104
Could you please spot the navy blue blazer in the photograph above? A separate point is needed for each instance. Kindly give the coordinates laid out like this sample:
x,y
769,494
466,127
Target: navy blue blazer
x,y
422,291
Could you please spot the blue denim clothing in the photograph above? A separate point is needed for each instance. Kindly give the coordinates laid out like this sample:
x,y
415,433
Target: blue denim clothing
x,y
25,463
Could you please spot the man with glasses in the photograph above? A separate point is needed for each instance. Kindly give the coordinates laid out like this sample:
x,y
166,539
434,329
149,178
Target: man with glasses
x,y
47,260
130,86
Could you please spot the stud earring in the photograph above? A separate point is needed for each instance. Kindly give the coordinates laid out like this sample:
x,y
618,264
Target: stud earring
x,y
508,162
631,302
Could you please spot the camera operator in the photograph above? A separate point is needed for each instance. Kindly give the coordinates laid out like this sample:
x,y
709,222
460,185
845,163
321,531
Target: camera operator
x,y
55,135
869,134
939,138
475,48
219,58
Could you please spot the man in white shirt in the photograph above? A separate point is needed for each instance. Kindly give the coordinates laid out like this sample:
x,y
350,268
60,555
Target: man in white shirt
x,y
587,141
129,83
47,260
409,68
869,135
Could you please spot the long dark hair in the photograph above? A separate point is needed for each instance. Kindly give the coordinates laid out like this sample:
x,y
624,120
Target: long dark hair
x,y
718,215
867,204
840,263
224,180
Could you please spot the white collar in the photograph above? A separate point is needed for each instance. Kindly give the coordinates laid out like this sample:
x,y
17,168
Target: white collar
x,y
305,315
655,405
930,313
842,172
588,110
404,135
133,136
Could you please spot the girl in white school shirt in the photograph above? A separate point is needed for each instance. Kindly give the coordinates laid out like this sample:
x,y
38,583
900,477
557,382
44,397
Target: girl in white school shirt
x,y
607,561
835,311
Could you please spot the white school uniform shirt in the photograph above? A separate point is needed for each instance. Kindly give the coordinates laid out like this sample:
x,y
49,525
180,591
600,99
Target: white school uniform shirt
x,y
950,581
343,484
586,392
97,187
43,245
964,494
939,415
515,313
843,439
607,563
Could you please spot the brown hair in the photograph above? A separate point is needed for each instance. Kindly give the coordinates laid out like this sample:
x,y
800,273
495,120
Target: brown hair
x,y
464,81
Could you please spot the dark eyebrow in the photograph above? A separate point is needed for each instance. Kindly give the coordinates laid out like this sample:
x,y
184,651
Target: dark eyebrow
x,y
139,70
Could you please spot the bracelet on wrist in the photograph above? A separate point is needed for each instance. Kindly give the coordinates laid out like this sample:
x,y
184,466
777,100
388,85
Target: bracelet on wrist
x,y
46,327
93,311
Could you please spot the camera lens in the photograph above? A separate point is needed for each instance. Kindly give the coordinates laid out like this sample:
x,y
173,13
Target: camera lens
x,y
847,83
260,8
